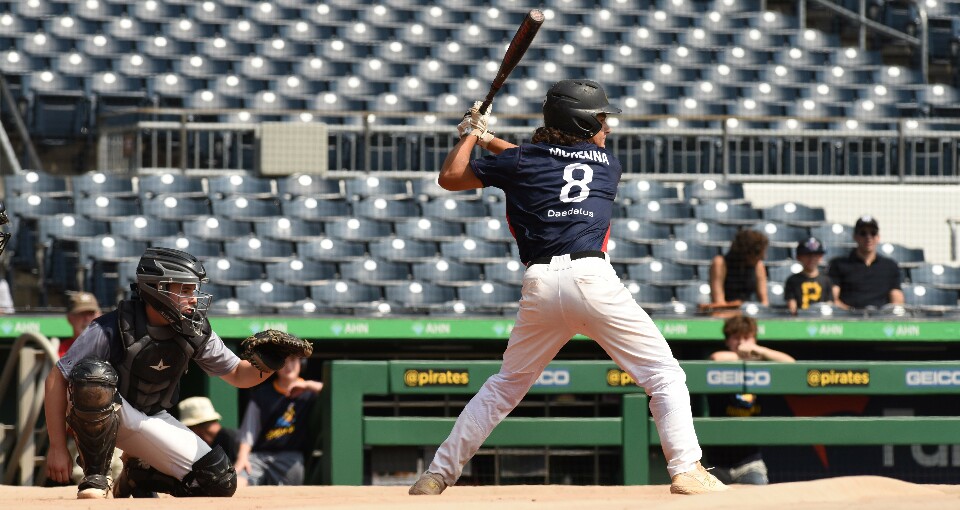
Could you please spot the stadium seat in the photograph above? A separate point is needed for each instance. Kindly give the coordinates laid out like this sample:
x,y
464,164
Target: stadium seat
x,y
710,190
288,229
454,210
834,236
348,296
693,294
363,187
425,229
651,298
373,271
142,228
246,209
381,208
304,185
255,249
490,296
35,183
108,248
623,251
905,257
936,275
660,212
638,232
657,272
176,208
334,250
298,272
782,272
216,229
727,213
358,229
682,252
418,296
477,251
446,272
33,207
170,184
100,207
270,294
200,248
781,234
233,271
489,229
643,190
930,300
309,208
403,250
793,213
706,233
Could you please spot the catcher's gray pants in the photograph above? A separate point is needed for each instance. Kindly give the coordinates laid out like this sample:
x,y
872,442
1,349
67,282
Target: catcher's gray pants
x,y
160,441
560,300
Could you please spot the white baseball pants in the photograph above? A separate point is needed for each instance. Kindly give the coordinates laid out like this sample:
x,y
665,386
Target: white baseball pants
x,y
559,300
160,441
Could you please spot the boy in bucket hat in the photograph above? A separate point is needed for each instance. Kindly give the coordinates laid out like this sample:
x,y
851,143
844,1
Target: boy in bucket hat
x,y
198,414
809,285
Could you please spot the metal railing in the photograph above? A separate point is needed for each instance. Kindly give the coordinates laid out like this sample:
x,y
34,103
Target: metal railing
x,y
906,154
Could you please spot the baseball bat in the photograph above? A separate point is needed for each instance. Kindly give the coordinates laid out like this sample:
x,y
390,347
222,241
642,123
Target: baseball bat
x,y
515,51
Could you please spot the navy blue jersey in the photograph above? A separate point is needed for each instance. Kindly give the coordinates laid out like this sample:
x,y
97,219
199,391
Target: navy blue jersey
x,y
559,199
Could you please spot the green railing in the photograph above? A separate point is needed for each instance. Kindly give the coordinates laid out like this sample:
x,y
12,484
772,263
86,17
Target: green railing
x,y
346,430
358,328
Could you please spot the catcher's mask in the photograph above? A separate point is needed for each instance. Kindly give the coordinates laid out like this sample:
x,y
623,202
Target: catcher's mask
x,y
158,269
572,106
4,236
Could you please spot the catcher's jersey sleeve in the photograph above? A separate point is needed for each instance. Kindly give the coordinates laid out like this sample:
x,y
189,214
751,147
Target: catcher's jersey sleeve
x,y
92,342
215,358
559,199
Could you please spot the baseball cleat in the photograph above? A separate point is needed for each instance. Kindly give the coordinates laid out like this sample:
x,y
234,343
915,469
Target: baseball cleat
x,y
429,484
696,481
94,487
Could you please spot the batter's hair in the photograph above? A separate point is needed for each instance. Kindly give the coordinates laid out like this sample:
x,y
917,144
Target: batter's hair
x,y
554,136
739,326
748,247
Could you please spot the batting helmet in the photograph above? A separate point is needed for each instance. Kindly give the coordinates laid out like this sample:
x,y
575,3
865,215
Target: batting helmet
x,y
572,106
4,236
160,267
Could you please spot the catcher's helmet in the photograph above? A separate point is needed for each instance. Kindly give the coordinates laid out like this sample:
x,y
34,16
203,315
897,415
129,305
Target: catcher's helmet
x,y
4,236
160,267
572,106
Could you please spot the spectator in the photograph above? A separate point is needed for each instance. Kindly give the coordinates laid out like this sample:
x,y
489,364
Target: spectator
x,y
864,278
740,275
740,464
274,433
6,299
83,309
198,414
809,285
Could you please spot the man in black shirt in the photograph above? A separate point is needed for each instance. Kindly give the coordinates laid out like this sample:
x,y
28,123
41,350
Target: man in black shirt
x,y
865,278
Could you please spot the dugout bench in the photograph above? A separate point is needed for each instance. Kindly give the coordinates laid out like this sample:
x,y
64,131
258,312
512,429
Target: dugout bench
x,y
346,431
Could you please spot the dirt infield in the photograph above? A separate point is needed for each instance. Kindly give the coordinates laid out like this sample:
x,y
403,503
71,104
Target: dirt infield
x,y
875,493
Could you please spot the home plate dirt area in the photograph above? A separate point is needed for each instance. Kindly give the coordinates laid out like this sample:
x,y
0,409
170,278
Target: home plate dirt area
x,y
845,493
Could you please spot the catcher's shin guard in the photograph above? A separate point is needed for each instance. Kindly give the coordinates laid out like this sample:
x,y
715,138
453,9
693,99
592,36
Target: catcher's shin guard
x,y
212,475
94,417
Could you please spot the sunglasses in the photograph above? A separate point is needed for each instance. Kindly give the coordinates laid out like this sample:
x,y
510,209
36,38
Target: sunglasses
x,y
865,233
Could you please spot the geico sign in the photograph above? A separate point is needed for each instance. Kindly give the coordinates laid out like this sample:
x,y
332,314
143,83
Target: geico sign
x,y
734,377
553,378
933,378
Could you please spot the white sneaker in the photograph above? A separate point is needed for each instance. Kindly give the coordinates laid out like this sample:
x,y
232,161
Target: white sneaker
x,y
696,481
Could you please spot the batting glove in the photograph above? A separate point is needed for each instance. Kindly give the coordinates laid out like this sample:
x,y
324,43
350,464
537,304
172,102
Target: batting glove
x,y
475,123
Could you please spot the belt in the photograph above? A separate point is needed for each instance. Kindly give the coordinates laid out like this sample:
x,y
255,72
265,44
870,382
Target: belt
x,y
573,256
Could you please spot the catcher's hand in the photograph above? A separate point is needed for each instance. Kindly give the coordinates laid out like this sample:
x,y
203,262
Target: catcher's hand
x,y
268,350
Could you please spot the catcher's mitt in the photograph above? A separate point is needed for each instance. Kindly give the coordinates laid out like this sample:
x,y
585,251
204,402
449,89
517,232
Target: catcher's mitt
x,y
268,350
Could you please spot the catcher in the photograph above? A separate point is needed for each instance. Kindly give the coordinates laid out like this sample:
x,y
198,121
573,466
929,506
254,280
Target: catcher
x,y
119,378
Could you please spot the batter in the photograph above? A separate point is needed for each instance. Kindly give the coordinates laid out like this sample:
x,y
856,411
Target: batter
x,y
559,196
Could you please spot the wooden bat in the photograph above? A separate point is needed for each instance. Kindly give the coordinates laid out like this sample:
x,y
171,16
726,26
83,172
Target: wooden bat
x,y
518,47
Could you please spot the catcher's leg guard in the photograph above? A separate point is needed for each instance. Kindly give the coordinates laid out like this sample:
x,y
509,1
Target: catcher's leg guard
x,y
212,475
94,417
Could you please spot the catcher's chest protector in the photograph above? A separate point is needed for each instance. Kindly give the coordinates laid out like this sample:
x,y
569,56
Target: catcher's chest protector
x,y
150,370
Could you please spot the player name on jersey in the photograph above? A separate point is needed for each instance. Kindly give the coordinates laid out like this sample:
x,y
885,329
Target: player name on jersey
x,y
598,156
